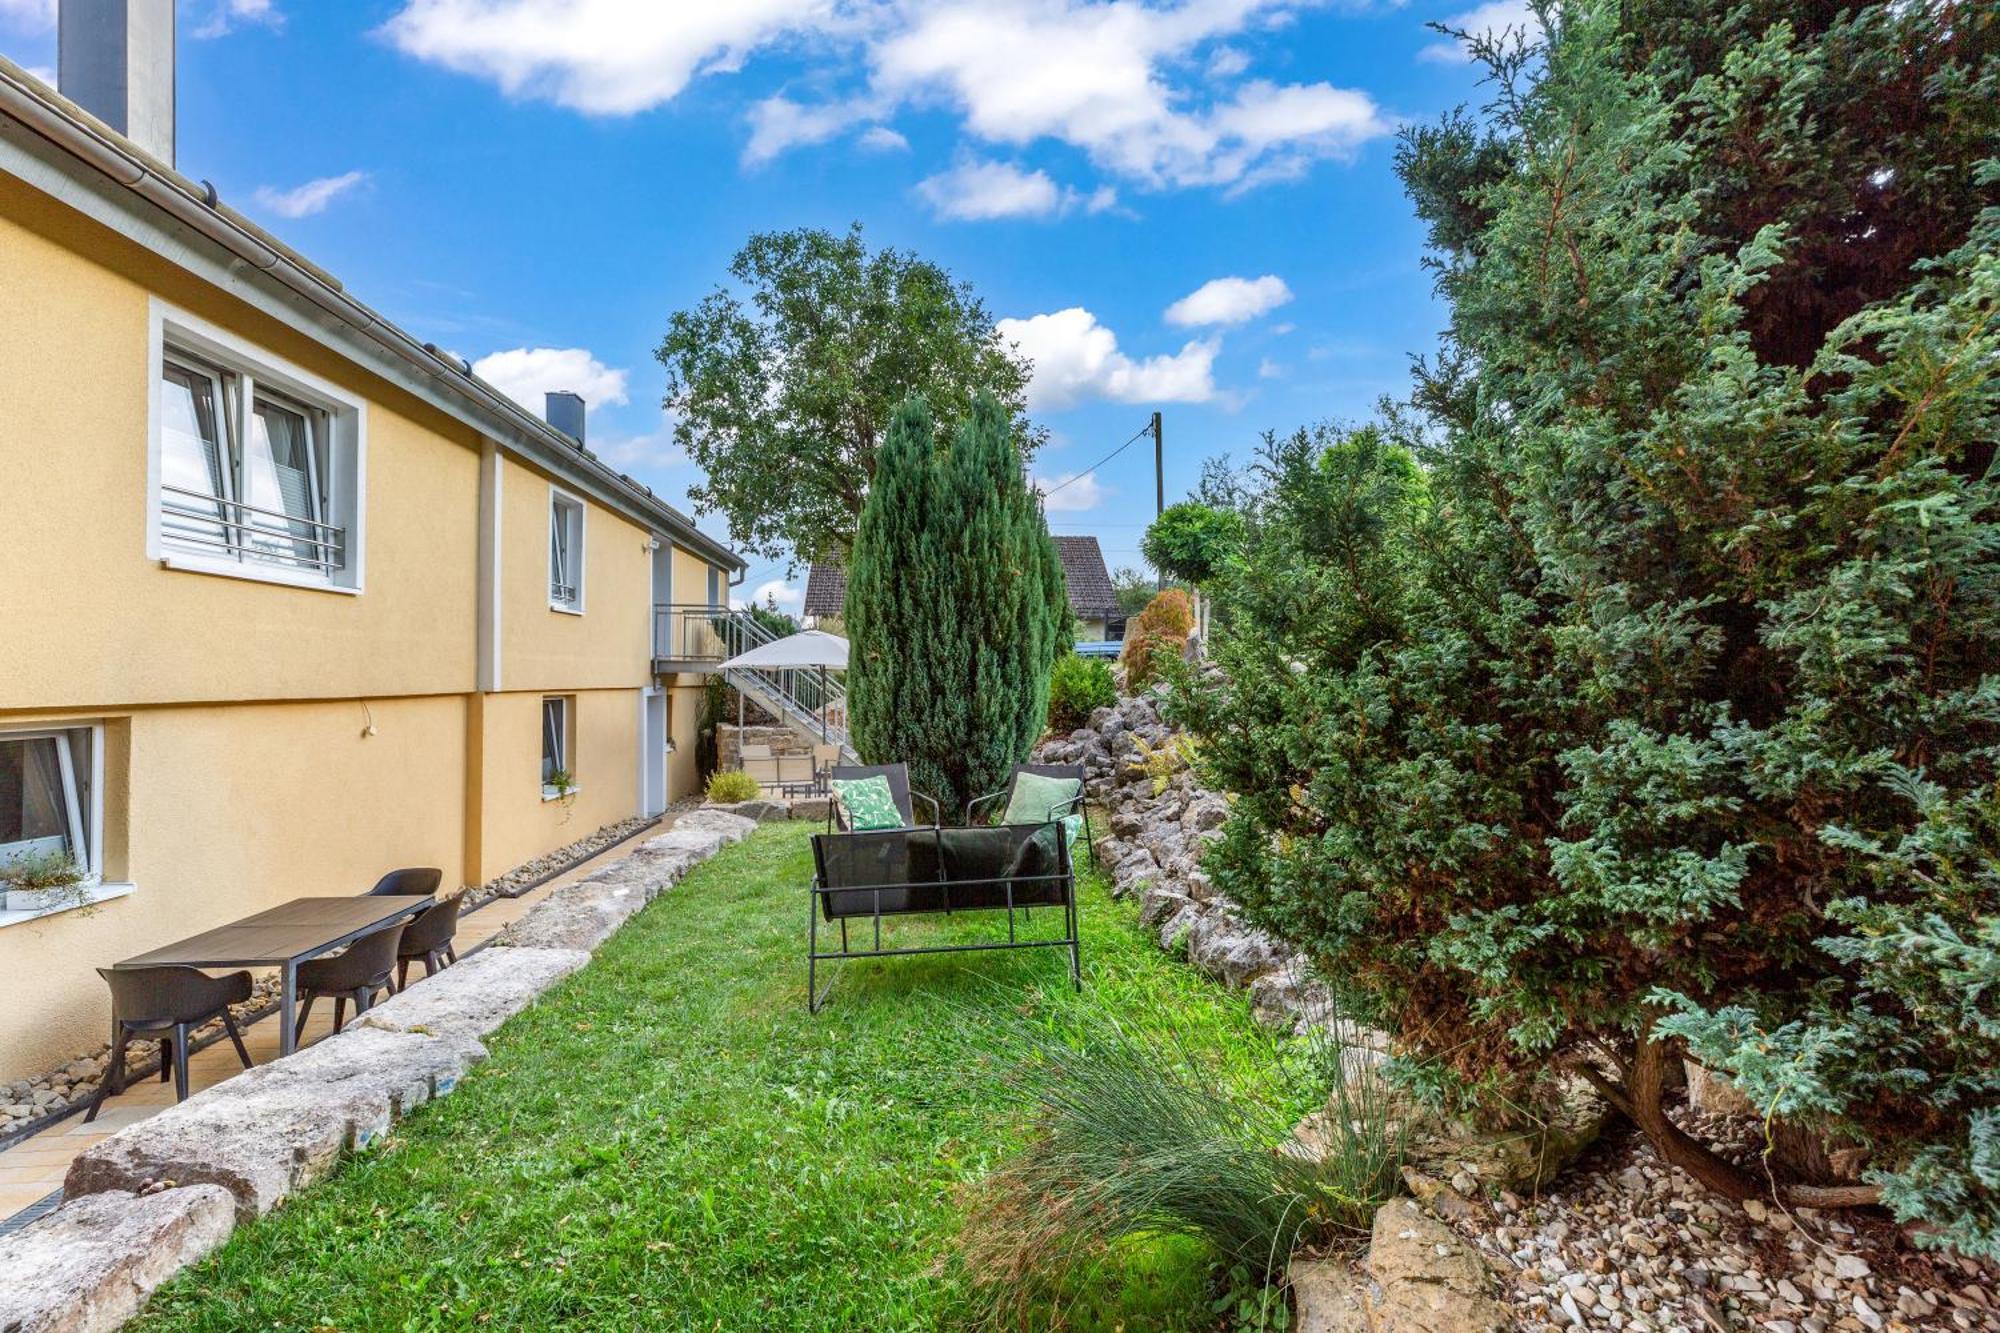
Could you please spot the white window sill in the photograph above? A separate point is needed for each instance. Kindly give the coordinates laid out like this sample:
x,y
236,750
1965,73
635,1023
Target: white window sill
x,y
98,893
551,794
230,569
566,610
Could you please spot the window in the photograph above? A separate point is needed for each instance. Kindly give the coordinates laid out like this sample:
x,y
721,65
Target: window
x,y
48,796
258,464
565,552
714,586
558,735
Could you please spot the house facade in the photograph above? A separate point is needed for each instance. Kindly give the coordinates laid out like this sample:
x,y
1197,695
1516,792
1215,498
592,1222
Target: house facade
x,y
290,598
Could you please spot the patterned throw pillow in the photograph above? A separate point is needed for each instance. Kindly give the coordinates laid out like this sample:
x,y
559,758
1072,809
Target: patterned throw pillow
x,y
869,802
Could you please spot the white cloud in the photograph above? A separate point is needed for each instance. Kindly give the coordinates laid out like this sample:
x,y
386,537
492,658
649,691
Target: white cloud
x,y
29,15
601,57
226,15
1229,301
1490,20
525,374
788,597
980,191
882,139
1267,369
1075,358
302,201
1130,85
1070,493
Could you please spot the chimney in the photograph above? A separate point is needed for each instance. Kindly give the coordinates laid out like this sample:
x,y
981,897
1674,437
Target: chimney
x,y
115,59
564,410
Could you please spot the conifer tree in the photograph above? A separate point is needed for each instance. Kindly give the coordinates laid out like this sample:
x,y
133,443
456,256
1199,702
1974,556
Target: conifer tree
x,y
1668,720
956,607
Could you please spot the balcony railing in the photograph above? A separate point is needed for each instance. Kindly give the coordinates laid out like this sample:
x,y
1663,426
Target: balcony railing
x,y
214,524
697,633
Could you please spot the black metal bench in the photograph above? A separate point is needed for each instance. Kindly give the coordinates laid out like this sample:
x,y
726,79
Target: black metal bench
x,y
1011,868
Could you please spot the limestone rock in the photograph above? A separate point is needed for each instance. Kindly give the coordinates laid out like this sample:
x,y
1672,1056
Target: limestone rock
x,y
759,810
1159,902
1520,1160
1426,1279
813,808
475,996
733,828
1229,951
1205,812
577,916
1327,1294
92,1263
1714,1094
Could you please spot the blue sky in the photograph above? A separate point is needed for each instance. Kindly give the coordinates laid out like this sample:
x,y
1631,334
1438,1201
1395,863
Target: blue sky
x,y
1187,207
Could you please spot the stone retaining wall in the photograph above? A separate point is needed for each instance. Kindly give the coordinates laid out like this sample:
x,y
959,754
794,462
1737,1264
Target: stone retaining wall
x,y
156,1196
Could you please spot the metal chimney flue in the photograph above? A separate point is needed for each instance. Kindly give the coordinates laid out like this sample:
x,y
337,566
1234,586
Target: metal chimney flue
x,y
115,59
564,410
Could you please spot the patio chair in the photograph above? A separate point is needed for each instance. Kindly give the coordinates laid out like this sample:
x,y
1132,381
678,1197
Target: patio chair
x,y
427,939
355,973
880,873
420,881
1060,772
165,1003
898,776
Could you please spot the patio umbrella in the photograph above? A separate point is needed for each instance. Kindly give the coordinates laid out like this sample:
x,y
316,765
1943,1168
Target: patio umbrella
x,y
809,648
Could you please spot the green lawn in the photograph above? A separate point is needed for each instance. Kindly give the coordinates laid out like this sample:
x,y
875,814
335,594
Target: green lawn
x,y
670,1141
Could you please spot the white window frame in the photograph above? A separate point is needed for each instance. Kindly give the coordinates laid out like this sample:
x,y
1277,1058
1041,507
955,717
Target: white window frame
x,y
565,743
199,345
89,834
569,510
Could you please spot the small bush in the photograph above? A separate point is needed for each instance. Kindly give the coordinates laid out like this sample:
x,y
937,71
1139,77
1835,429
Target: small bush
x,y
1077,687
729,788
1131,1138
1155,635
42,870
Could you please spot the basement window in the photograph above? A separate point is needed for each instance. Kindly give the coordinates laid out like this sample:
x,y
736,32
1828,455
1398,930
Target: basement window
x,y
558,746
256,464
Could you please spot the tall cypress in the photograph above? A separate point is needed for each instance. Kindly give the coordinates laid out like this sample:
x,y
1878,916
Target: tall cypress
x,y
955,606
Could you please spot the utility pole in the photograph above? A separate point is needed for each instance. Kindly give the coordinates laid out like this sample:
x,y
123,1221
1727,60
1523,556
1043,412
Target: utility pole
x,y
1159,481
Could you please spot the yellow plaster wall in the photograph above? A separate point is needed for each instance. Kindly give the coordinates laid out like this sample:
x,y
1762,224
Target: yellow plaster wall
x,y
610,644
516,824
215,812
75,364
684,725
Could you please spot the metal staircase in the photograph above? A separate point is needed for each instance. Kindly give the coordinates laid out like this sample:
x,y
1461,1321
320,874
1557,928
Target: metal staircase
x,y
701,638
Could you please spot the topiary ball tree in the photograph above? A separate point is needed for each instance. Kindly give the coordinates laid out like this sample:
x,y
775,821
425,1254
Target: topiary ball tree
x,y
956,607
1192,541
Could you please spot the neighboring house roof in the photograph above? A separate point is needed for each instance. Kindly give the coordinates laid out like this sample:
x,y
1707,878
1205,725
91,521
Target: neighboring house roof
x,y
826,590
72,156
1091,595
1090,592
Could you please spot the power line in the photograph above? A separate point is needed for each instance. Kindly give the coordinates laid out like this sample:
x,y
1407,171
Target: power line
x,y
1142,432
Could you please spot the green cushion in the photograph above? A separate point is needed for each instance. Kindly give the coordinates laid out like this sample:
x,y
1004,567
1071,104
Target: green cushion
x,y
1037,800
870,804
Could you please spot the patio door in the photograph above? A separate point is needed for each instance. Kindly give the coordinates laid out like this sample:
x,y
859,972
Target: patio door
x,y
652,752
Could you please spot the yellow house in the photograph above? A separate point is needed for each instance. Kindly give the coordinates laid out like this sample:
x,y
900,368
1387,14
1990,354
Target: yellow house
x,y
287,598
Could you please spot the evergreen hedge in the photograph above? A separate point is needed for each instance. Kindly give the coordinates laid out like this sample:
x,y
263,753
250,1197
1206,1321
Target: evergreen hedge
x,y
1658,712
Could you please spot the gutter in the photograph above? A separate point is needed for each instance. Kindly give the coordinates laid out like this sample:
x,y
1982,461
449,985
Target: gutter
x,y
85,138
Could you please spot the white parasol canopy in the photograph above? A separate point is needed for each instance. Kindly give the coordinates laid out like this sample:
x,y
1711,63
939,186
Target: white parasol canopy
x,y
809,648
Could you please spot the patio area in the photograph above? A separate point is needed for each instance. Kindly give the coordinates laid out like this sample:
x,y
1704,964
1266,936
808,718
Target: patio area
x,y
32,1171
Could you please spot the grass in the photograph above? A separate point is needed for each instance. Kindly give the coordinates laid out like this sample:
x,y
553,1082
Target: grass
x,y
669,1141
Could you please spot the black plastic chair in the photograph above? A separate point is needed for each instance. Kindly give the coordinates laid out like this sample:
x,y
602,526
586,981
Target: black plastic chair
x,y
165,1003
355,973
427,939
419,881
899,789
1077,806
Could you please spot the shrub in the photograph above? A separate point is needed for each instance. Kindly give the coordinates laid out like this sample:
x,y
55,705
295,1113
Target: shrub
x,y
1155,636
1078,686
1192,542
731,787
956,608
1130,1136
1665,716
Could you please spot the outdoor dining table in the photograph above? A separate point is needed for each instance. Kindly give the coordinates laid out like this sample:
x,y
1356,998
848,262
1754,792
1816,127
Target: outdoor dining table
x,y
283,937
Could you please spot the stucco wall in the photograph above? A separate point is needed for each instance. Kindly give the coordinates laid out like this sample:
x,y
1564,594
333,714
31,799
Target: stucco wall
x,y
214,812
684,726
516,824
111,624
610,644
